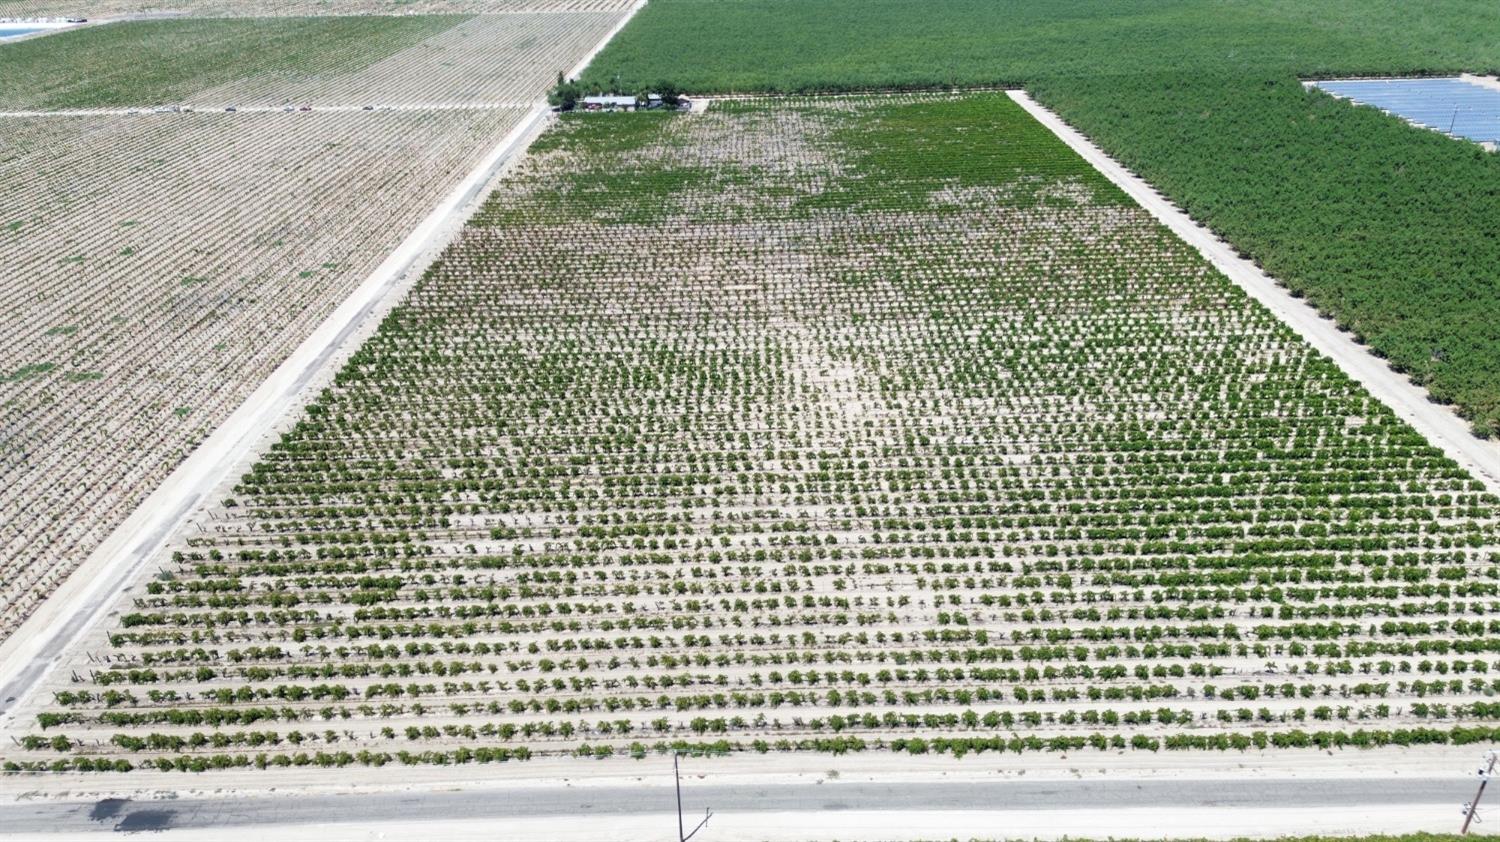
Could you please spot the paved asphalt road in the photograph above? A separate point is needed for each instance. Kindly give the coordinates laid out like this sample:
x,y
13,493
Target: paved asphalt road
x,y
123,815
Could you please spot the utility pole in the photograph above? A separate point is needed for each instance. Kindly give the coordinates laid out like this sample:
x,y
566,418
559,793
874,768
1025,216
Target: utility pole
x,y
684,837
1472,806
1453,122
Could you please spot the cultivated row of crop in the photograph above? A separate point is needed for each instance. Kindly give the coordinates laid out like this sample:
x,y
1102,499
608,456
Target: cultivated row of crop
x,y
837,425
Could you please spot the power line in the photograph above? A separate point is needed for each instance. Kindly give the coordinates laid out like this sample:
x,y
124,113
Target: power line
x,y
1473,806
708,813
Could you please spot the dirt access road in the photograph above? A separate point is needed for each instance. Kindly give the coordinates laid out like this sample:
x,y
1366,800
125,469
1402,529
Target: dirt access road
x,y
1436,423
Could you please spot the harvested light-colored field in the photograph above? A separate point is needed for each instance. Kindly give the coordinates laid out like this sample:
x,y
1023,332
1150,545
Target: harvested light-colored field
x,y
158,267
138,64
413,61
840,425
295,8
489,59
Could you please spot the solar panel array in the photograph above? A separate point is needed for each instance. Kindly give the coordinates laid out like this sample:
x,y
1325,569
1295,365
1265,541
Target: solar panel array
x,y
1457,107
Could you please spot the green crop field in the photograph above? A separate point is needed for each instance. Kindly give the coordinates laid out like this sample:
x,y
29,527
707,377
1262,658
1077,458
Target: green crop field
x,y
148,62
819,45
1375,222
877,423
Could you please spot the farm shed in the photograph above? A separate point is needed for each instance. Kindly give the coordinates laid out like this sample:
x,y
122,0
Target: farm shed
x,y
609,101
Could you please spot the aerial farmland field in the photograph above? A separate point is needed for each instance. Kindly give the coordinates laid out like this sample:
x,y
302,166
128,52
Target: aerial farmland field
x,y
1372,221
348,61
258,224
161,262
750,419
851,424
167,60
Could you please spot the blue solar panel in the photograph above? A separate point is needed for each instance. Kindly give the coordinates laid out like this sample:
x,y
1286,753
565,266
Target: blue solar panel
x,y
1456,106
